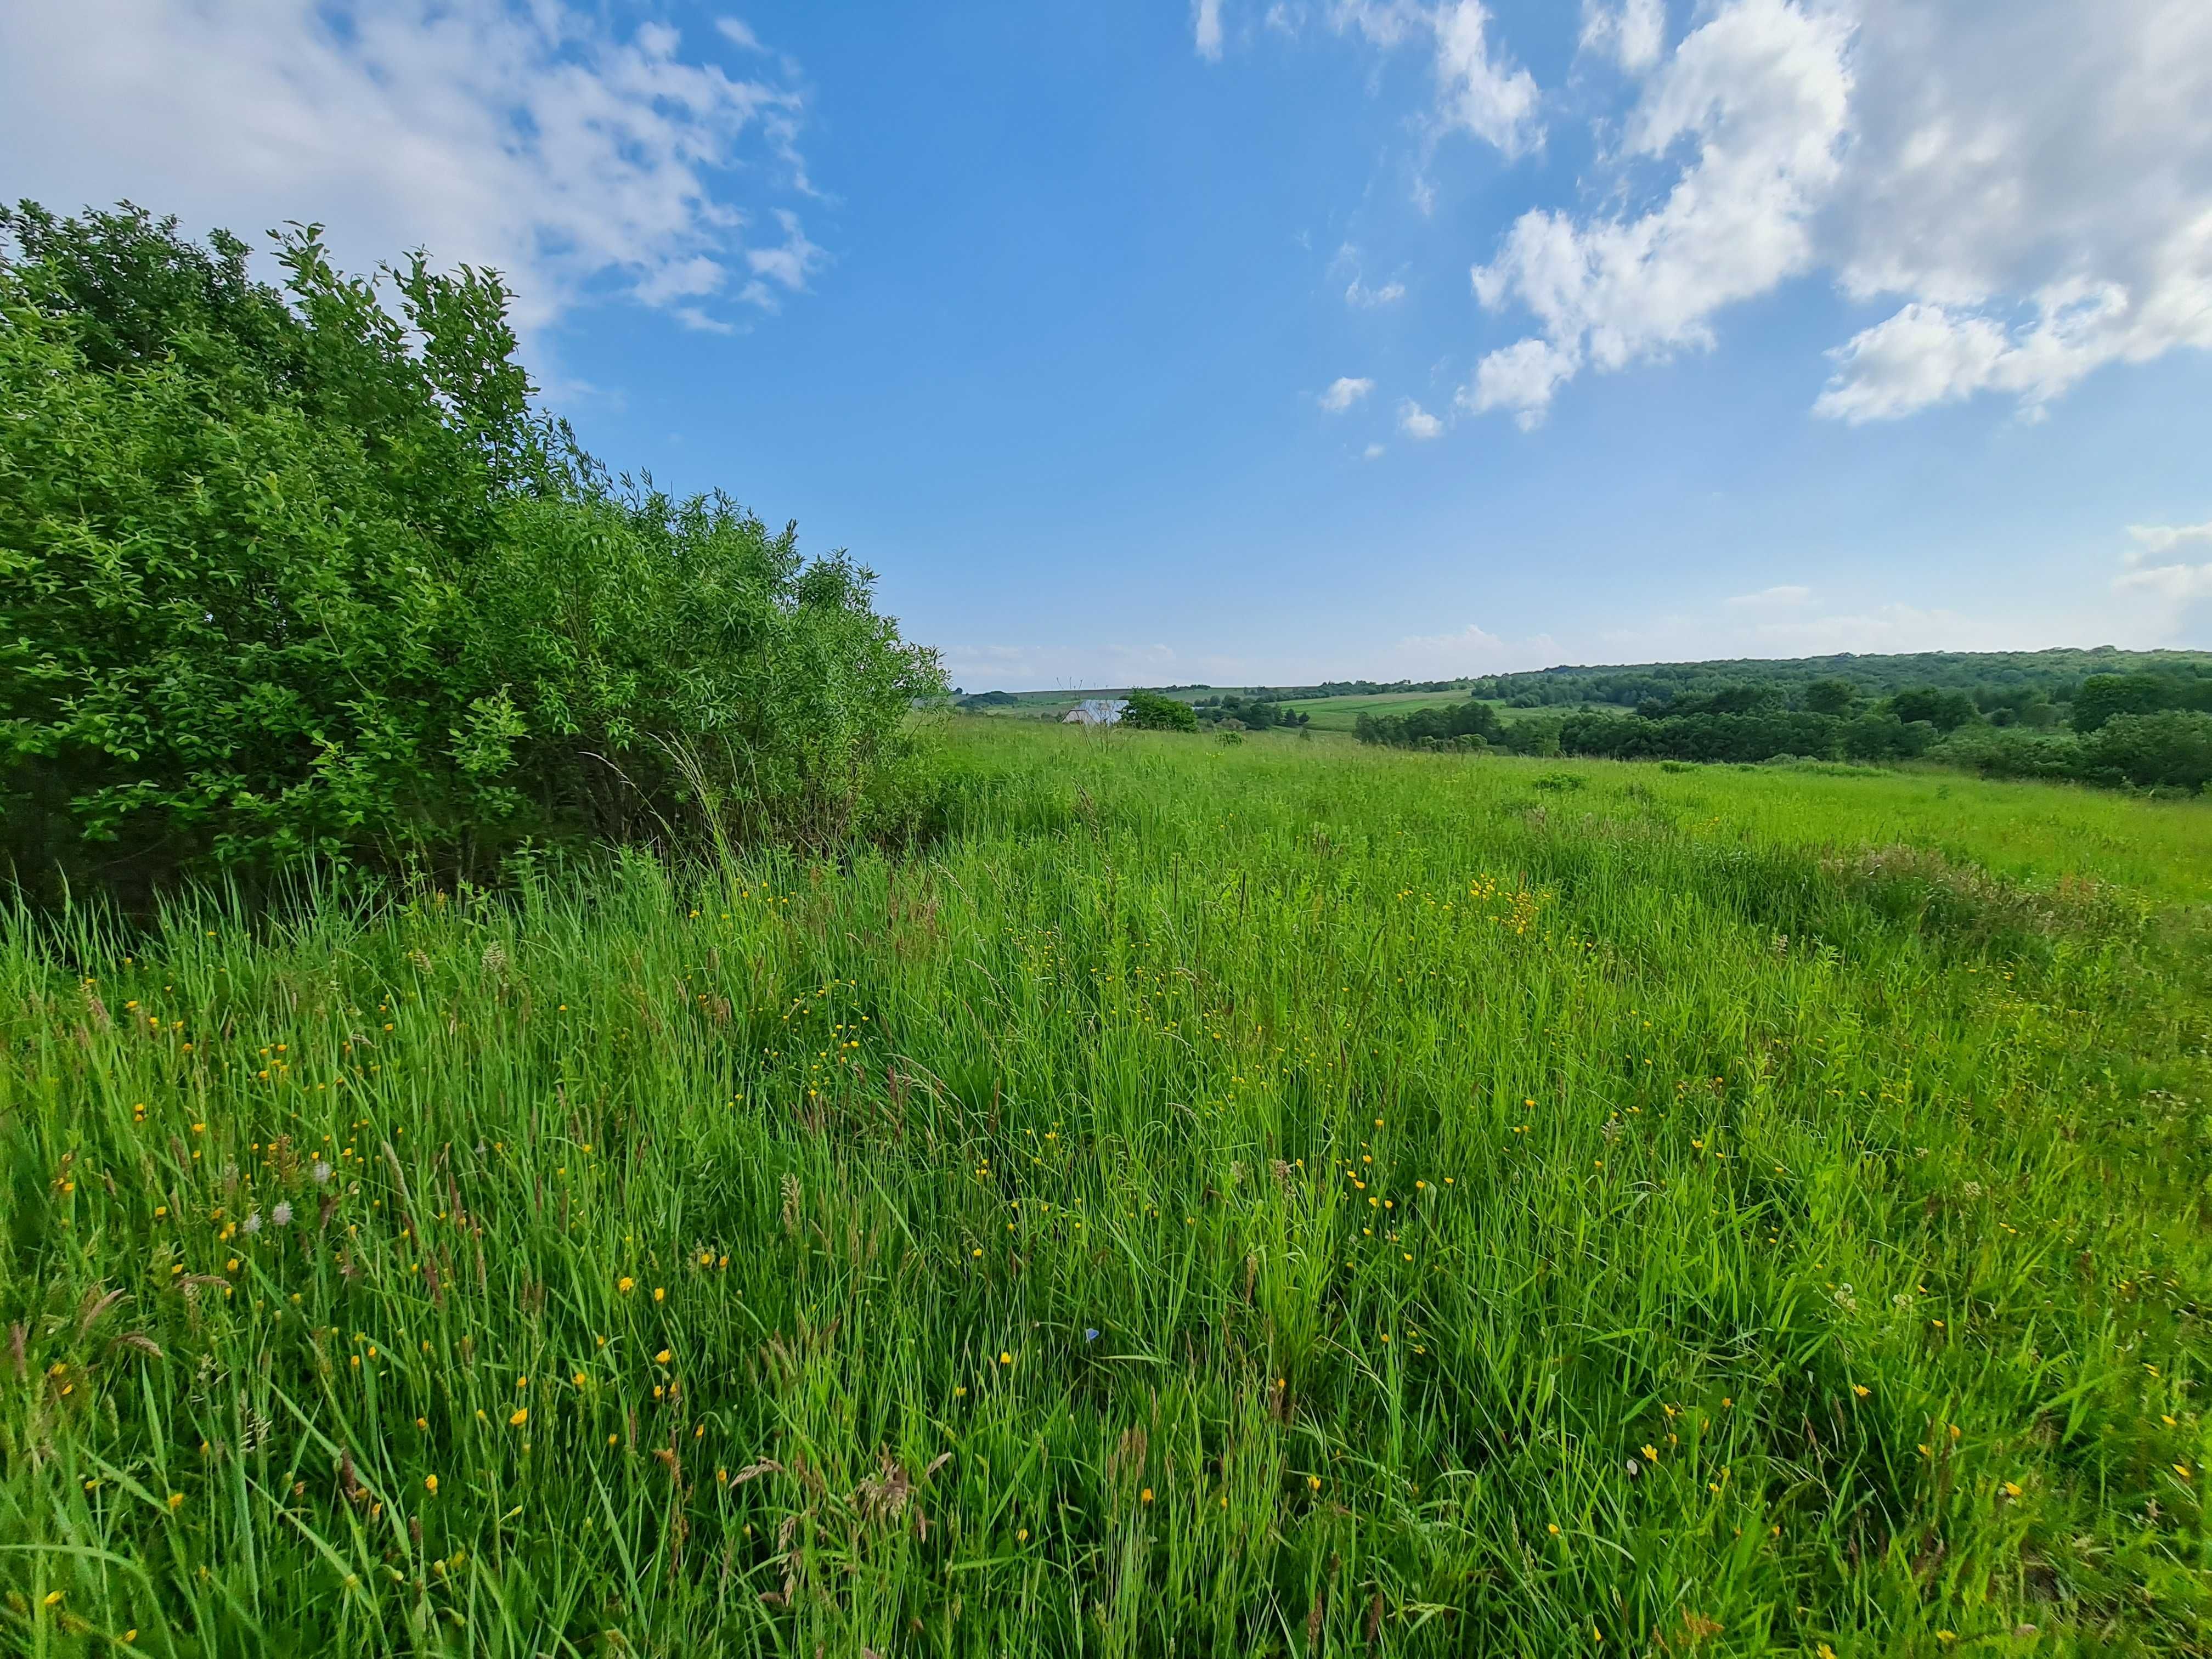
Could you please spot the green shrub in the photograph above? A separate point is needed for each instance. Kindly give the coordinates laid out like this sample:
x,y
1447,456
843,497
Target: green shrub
x,y
299,574
2170,749
1150,711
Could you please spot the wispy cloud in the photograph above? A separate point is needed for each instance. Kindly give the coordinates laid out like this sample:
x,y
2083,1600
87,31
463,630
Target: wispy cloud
x,y
1205,28
1479,88
2177,582
1773,598
2165,537
1632,33
1361,297
1473,649
583,158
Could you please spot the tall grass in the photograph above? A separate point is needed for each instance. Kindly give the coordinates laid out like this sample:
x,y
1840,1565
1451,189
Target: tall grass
x,y
1267,1200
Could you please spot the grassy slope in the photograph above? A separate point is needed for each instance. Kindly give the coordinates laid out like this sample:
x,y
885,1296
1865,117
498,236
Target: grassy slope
x,y
1509,1213
1340,714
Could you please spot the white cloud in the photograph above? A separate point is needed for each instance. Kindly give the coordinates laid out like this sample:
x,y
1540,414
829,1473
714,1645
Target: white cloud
x,y
536,137
1373,452
1417,423
1360,297
1357,293
2025,190
738,33
1759,97
1205,27
1522,377
790,265
2177,582
1343,393
1493,101
1477,90
1632,33
2034,182
1929,353
2165,537
702,322
1769,598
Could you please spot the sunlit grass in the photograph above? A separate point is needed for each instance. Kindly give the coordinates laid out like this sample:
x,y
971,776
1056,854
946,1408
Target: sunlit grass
x,y
1267,1199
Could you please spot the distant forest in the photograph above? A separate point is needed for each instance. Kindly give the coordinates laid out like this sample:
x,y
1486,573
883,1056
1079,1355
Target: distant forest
x,y
2139,719
1995,678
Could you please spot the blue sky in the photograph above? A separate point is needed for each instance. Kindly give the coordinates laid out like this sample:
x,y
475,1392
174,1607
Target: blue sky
x,y
1240,342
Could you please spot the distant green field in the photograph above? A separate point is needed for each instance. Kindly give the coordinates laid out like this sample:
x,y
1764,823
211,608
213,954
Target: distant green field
x,y
1340,714
1327,713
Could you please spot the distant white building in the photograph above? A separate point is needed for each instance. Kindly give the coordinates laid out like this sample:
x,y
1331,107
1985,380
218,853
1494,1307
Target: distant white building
x,y
1096,711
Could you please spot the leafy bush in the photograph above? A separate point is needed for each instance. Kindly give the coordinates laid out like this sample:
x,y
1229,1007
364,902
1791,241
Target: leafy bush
x,y
2011,753
1149,711
2171,750
299,574
1437,727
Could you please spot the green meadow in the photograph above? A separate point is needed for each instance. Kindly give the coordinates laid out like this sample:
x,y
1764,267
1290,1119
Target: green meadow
x,y
1197,1198
1341,713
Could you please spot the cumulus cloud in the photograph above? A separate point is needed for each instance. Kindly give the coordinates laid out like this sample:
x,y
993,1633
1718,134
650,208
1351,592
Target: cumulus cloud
x,y
1417,423
1759,96
1205,28
2035,182
2021,194
1372,452
580,158
1479,90
1343,393
1522,377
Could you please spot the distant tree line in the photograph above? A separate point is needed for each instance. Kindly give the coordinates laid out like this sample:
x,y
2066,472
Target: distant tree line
x,y
1996,679
1253,713
1462,725
2145,729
